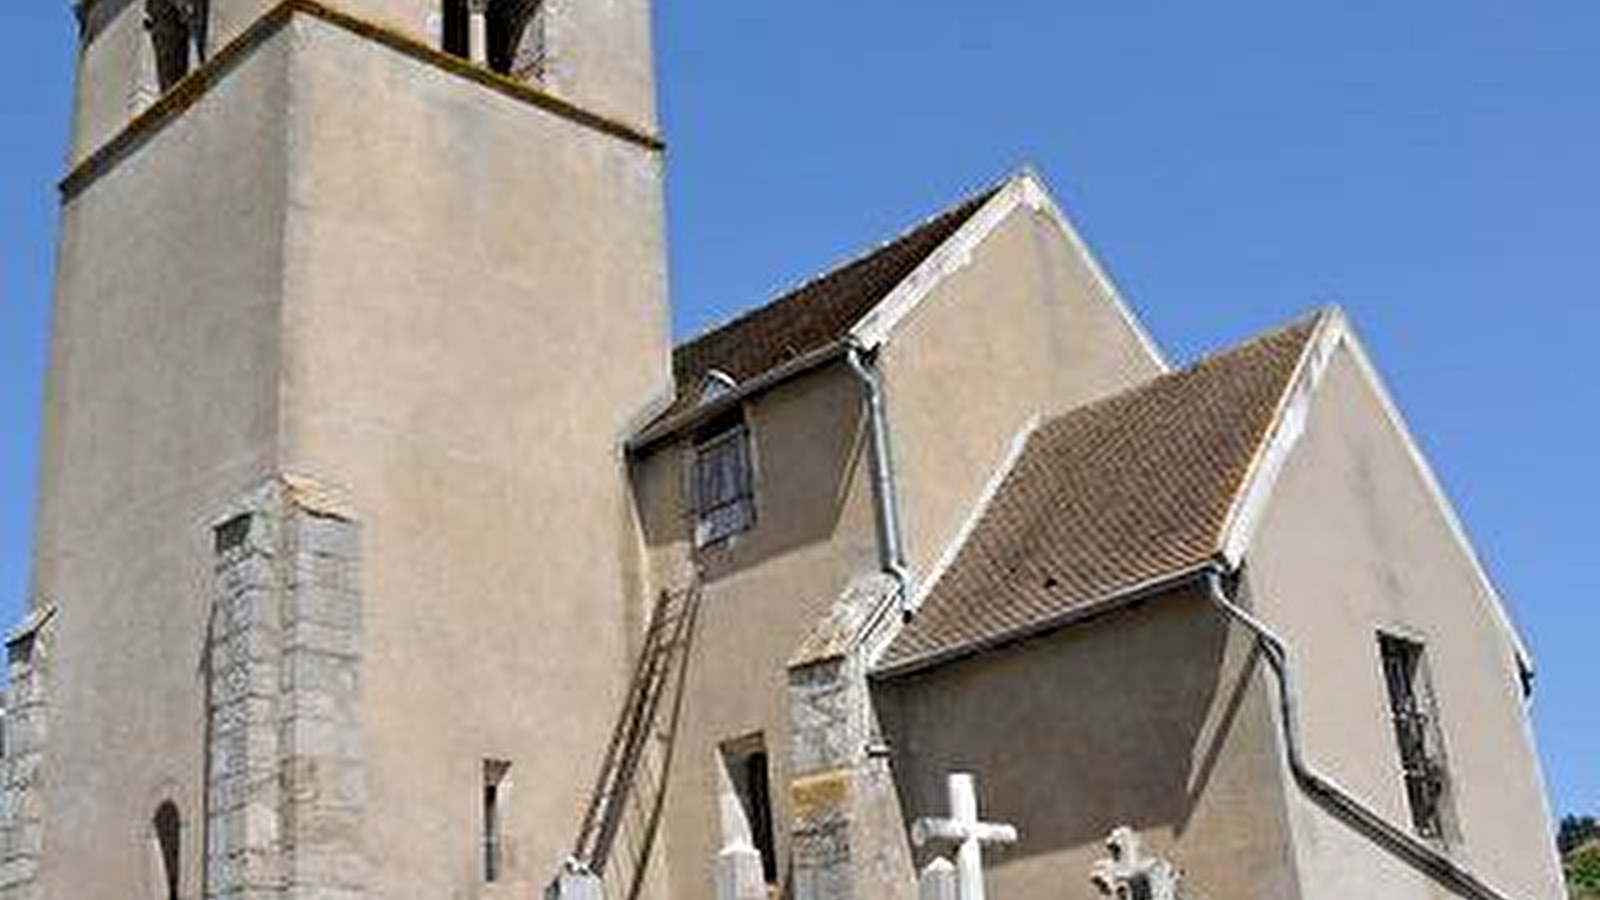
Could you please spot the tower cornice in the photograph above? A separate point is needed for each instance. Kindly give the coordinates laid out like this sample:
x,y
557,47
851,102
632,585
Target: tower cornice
x,y
200,81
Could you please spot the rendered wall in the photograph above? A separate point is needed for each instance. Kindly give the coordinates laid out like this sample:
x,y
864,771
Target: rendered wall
x,y
765,590
163,405
1352,543
600,55
476,319
1025,329
1150,717
1021,330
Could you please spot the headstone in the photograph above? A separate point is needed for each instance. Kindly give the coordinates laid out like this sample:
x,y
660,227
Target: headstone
x,y
575,882
964,829
738,874
937,881
1130,874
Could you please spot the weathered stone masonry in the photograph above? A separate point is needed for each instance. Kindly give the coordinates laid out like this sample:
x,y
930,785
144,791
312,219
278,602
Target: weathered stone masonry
x,y
848,841
285,778
28,651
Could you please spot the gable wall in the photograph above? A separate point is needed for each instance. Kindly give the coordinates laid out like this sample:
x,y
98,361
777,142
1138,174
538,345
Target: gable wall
x,y
765,590
1350,543
1022,329
1147,717
1025,329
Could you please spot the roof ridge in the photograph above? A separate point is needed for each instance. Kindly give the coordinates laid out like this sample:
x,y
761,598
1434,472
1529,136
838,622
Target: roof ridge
x,y
975,200
1311,320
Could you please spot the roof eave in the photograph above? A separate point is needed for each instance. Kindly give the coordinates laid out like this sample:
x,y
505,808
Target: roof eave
x,y
1076,615
671,426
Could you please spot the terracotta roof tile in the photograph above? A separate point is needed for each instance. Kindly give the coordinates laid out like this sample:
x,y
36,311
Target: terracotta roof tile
x,y
816,314
1107,498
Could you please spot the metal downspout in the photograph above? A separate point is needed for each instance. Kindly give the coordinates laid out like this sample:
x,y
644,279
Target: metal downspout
x,y
1399,842
891,549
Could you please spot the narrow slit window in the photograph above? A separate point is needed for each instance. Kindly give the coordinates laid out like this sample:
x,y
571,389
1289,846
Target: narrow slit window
x,y
494,790
723,484
167,825
1411,709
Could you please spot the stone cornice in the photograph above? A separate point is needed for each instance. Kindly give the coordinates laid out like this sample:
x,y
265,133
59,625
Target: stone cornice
x,y
200,81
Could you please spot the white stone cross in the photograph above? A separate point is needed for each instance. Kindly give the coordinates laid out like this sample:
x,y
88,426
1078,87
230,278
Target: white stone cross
x,y
965,830
1130,874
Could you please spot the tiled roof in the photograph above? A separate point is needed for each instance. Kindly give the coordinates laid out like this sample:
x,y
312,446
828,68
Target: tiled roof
x,y
1110,497
816,314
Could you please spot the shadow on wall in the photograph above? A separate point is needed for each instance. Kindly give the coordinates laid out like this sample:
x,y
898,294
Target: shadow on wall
x,y
1118,721
808,443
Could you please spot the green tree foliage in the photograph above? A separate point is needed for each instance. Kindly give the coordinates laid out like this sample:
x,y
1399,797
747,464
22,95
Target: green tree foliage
x,y
1579,840
1583,871
1575,832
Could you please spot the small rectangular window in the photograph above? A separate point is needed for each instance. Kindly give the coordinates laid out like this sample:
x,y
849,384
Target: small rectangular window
x,y
723,485
746,763
1411,709
494,785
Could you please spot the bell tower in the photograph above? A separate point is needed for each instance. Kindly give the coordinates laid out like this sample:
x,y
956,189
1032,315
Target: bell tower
x,y
357,302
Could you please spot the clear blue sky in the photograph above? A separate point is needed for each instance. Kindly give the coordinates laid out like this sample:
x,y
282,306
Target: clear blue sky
x,y
1432,166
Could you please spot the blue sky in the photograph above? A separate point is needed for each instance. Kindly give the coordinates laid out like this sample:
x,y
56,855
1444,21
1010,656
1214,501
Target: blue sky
x,y
1433,167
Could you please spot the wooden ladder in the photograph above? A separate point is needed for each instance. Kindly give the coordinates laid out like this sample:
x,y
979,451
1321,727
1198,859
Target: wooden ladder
x,y
624,814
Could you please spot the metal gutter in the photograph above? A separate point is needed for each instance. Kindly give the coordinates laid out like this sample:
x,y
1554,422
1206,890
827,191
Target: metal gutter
x,y
891,546
1399,842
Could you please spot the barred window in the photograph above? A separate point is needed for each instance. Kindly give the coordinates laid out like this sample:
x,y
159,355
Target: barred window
x,y
1411,708
723,485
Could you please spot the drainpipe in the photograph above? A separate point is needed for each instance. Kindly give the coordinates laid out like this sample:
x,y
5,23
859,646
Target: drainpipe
x,y
1398,841
891,550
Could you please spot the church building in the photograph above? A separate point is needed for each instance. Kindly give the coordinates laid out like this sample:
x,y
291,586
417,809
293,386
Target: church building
x,y
388,549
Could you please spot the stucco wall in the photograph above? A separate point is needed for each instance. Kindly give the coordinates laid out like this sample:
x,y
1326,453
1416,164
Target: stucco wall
x,y
1352,543
1024,329
765,590
1150,717
601,56
476,318
162,406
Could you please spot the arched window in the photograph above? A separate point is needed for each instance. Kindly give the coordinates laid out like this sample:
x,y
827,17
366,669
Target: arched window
x,y
517,38
172,39
168,828
455,29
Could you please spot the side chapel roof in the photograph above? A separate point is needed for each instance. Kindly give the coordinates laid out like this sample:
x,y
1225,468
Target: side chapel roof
x,y
814,316
1120,494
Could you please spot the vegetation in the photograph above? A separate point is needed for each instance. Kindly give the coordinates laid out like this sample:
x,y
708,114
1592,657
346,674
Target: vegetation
x,y
1579,840
1575,832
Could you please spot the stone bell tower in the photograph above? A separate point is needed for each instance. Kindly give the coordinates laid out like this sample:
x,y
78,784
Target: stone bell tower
x,y
357,301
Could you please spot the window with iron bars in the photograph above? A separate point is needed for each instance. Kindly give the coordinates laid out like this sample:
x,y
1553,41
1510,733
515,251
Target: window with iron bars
x,y
1411,709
